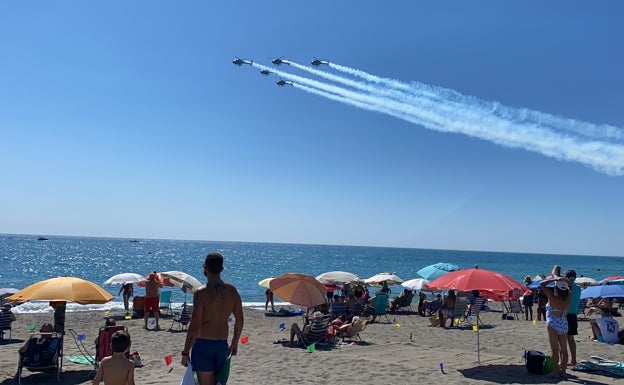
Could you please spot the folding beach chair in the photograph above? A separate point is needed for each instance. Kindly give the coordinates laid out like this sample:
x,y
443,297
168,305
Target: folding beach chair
x,y
165,301
381,306
459,311
44,353
582,307
514,307
183,318
473,311
103,343
5,324
316,332
338,309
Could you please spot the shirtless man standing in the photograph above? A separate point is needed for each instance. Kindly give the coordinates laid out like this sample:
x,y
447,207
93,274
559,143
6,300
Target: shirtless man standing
x,y
208,330
152,296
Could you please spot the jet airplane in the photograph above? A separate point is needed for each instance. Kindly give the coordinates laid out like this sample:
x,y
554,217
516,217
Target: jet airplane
x,y
265,72
316,62
283,82
239,62
280,61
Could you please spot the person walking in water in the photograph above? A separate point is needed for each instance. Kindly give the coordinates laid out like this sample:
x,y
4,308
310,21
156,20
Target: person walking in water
x,y
152,297
208,330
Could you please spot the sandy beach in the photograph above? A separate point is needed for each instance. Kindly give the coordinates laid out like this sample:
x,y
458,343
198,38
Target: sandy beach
x,y
384,356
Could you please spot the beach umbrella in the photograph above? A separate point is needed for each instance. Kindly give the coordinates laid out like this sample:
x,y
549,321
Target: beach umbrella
x,y
330,287
415,284
603,291
490,283
585,281
299,289
184,281
332,277
389,278
265,282
70,289
609,279
436,270
163,281
5,292
123,278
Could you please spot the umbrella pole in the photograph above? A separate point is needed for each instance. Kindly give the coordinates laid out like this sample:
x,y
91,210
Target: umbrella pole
x,y
478,347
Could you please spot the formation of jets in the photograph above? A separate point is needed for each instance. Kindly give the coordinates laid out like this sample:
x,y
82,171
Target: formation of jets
x,y
279,61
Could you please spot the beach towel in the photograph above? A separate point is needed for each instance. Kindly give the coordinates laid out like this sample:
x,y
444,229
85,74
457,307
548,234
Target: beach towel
x,y
81,360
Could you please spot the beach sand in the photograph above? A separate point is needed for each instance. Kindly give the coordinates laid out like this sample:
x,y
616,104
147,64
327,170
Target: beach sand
x,y
385,356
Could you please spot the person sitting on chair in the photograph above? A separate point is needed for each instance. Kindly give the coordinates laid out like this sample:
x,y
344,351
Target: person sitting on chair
x,y
295,329
46,333
400,300
6,317
446,311
605,329
602,306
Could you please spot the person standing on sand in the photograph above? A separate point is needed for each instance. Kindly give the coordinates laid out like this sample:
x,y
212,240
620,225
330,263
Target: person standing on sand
x,y
557,323
208,330
128,292
152,297
575,293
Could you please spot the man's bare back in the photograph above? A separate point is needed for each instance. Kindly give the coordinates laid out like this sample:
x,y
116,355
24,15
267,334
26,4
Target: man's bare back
x,y
214,304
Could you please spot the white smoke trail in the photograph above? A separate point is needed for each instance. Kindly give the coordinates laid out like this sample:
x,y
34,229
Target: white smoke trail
x,y
603,131
602,156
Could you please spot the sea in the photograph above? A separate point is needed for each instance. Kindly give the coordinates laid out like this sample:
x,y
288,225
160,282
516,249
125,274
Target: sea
x,y
26,260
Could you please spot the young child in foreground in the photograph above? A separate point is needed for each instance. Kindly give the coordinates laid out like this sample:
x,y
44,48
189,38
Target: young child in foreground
x,y
116,369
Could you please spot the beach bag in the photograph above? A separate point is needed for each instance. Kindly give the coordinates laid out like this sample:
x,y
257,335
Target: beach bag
x,y
535,361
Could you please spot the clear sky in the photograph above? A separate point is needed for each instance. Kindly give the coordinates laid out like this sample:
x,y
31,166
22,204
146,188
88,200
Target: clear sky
x,y
128,118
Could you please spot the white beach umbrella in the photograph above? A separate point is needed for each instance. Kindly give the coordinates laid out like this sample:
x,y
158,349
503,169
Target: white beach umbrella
x,y
123,278
184,281
585,281
415,284
332,277
389,278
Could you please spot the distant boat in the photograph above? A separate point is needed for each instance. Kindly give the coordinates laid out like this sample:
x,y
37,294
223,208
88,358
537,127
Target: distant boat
x,y
42,239
134,240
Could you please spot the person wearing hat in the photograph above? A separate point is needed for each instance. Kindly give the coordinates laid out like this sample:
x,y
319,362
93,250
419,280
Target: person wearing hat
x,y
557,323
575,300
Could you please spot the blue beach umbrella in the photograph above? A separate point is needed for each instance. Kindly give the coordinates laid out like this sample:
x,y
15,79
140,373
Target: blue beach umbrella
x,y
603,291
436,270
536,284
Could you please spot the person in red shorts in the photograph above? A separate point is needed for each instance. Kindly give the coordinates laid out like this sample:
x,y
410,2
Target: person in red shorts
x,y
152,297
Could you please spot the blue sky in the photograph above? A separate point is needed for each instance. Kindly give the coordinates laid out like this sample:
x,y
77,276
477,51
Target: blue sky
x,y
128,119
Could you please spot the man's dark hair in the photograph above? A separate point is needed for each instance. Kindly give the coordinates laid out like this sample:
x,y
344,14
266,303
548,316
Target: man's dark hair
x,y
214,263
120,341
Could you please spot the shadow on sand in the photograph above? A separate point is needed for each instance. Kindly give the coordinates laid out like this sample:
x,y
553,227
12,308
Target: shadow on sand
x,y
514,374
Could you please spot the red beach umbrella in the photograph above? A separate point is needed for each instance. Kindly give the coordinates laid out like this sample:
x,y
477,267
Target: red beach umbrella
x,y
159,277
491,284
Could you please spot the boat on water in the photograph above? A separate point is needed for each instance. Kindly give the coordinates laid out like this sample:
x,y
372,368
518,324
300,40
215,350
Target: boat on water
x,y
134,240
42,239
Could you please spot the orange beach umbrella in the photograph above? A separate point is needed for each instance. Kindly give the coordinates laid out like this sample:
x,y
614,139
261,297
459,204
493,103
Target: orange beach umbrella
x,y
71,289
299,289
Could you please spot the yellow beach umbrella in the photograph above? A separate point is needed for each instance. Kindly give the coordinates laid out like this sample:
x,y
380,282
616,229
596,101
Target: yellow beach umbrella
x,y
69,289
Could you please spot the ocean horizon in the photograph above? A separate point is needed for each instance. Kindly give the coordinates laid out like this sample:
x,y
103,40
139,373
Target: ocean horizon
x,y
27,260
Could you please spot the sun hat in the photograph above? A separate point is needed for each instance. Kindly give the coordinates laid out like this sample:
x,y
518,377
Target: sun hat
x,y
562,285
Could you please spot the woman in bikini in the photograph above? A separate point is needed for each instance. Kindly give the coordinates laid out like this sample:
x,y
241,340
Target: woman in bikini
x,y
557,323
